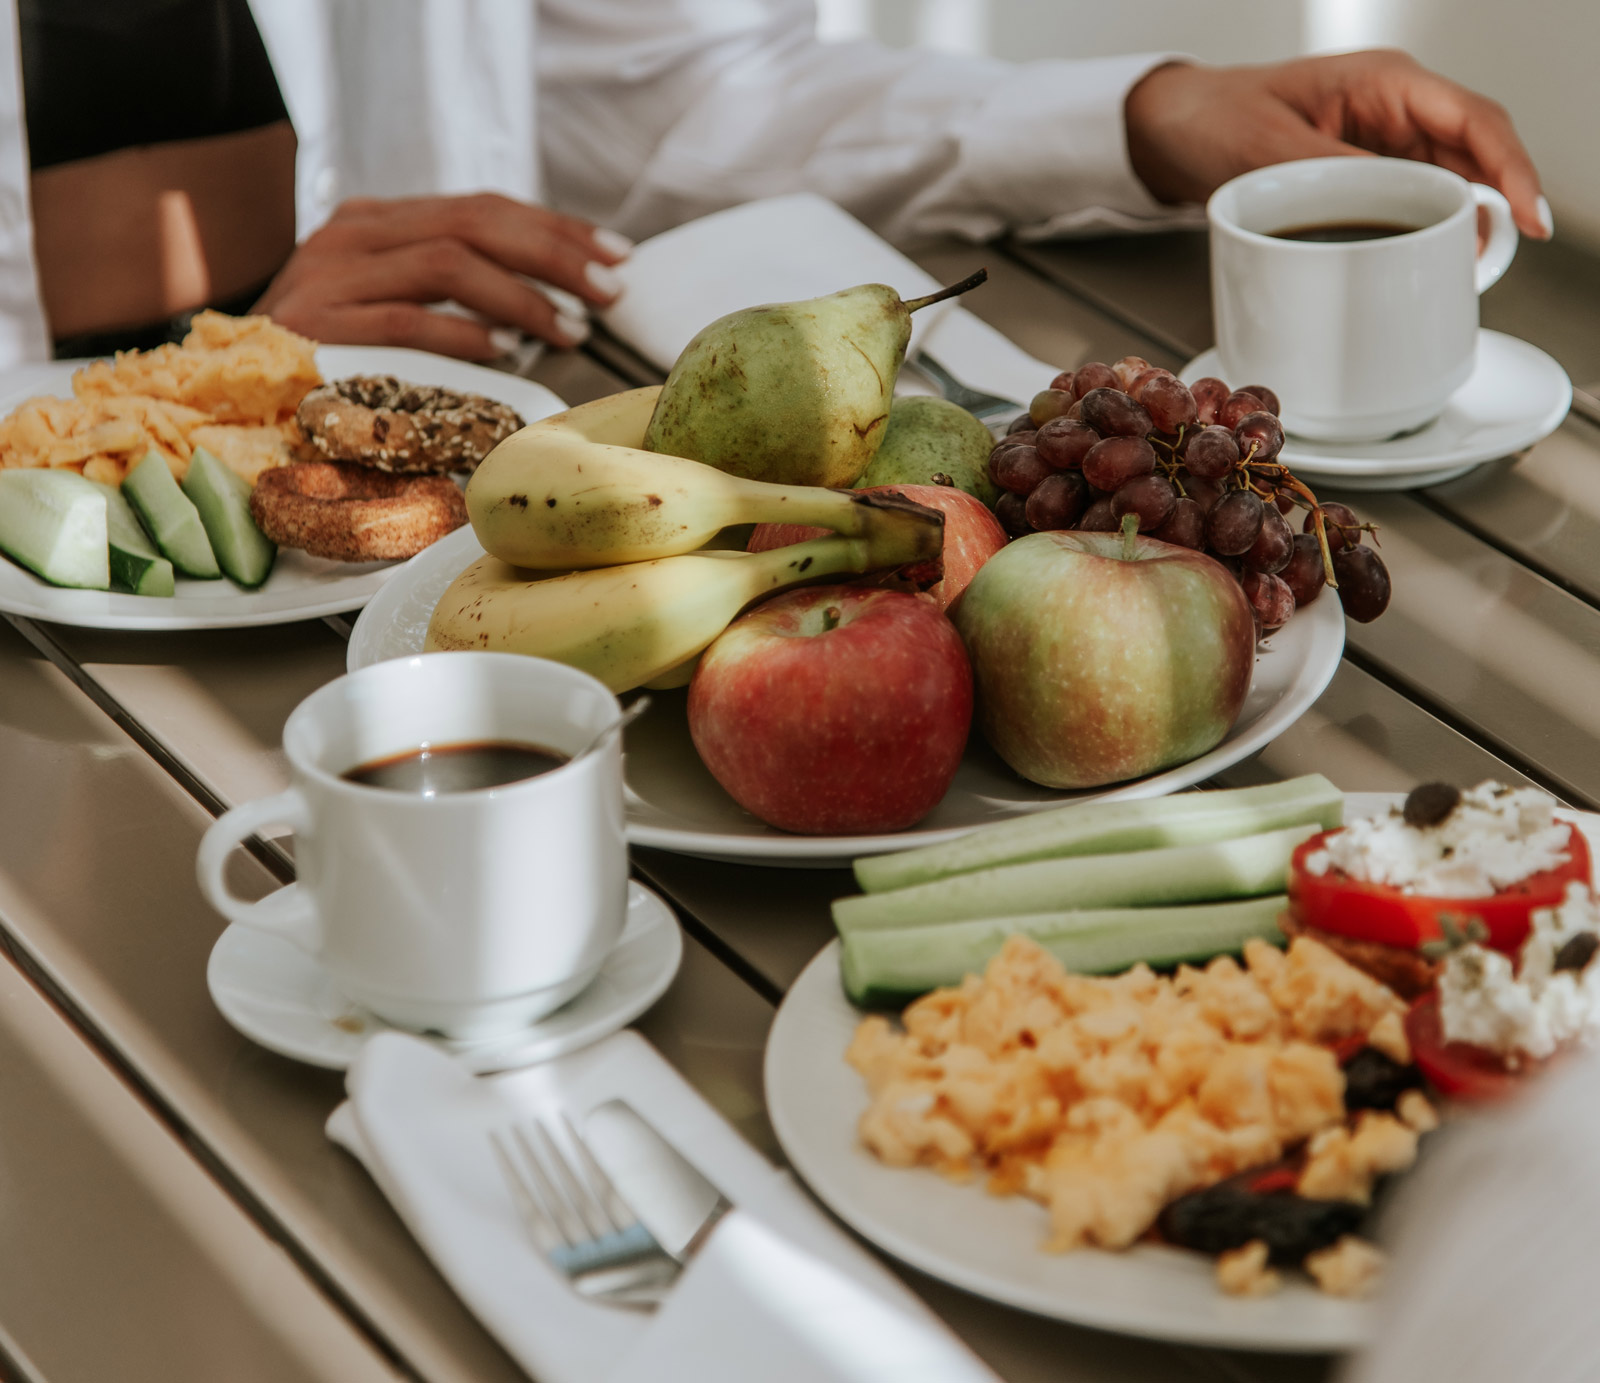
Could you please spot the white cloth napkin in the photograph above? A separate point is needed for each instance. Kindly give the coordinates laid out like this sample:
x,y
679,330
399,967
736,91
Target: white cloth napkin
x,y
800,246
776,1293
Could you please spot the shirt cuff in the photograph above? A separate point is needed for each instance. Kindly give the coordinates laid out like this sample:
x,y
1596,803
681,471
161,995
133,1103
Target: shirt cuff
x,y
1050,149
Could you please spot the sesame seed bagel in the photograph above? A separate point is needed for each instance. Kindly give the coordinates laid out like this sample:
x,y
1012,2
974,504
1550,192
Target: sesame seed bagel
x,y
350,513
386,423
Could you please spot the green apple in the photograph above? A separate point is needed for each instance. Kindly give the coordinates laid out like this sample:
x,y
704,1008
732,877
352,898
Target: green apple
x,y
1100,657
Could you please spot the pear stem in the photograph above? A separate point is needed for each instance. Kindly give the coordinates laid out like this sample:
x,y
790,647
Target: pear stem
x,y
954,290
1130,537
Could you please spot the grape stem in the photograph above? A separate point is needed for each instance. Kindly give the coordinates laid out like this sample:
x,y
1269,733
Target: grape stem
x,y
1130,537
1286,479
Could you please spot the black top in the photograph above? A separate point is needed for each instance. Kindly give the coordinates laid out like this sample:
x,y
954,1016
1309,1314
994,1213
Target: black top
x,y
102,75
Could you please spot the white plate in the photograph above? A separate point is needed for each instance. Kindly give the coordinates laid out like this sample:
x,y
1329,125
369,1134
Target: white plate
x,y
991,1245
280,996
301,586
674,803
1516,395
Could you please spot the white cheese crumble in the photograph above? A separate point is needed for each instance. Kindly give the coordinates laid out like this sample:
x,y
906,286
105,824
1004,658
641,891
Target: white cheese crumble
x,y
1495,837
1536,1009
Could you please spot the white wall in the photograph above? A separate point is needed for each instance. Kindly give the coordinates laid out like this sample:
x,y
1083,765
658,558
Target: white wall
x,y
1538,58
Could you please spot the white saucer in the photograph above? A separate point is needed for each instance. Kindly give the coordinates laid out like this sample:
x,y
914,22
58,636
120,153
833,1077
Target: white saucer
x,y
280,996
1516,395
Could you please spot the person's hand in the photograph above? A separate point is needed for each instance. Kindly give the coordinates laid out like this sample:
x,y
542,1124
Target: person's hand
x,y
1191,128
366,277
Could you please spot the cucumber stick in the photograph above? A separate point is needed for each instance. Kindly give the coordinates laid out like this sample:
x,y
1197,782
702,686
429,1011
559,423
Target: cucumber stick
x,y
1099,828
893,966
1242,868
135,564
170,518
222,499
54,523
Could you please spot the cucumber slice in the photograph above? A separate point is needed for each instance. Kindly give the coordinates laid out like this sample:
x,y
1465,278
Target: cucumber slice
x,y
136,566
54,523
243,551
170,518
894,966
1103,828
1242,868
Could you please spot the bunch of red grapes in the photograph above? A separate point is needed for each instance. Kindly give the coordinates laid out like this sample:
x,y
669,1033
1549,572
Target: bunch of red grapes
x,y
1198,466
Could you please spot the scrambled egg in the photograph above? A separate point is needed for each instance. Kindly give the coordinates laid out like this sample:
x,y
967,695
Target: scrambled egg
x,y
1243,1272
232,387
1349,1268
1105,1098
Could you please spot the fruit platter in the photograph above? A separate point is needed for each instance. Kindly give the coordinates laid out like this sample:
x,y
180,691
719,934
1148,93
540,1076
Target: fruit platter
x,y
865,619
1158,1066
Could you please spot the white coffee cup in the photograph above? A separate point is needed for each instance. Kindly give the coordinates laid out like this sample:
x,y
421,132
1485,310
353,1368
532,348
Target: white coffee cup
x,y
1360,339
466,913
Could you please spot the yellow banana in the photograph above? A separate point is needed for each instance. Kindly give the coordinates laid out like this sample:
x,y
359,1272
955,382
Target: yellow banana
x,y
632,624
576,491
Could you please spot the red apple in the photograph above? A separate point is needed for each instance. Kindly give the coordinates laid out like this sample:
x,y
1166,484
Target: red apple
x,y
1096,662
834,710
972,535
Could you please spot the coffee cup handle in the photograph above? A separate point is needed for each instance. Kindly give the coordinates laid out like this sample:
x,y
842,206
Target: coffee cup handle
x,y
1501,246
289,912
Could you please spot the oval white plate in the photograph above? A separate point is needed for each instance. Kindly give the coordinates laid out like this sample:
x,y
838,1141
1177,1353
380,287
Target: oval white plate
x,y
301,586
990,1245
675,804
1515,396
280,996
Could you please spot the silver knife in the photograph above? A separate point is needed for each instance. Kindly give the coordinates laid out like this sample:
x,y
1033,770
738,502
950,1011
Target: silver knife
x,y
672,1198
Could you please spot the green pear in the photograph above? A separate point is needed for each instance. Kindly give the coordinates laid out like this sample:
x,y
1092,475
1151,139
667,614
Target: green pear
x,y
930,438
797,393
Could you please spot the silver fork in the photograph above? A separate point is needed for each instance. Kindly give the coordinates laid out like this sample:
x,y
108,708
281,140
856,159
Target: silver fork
x,y
577,1220
975,401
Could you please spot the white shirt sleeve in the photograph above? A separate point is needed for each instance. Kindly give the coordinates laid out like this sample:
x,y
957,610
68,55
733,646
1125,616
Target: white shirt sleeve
x,y
654,113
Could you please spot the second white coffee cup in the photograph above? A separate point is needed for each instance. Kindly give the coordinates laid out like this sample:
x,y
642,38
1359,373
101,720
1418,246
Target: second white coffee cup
x,y
1361,338
470,912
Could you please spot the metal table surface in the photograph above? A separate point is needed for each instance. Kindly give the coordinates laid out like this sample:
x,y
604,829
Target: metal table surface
x,y
170,1177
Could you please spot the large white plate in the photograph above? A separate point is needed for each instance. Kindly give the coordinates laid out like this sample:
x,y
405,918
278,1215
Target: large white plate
x,y
1515,396
301,586
674,803
991,1246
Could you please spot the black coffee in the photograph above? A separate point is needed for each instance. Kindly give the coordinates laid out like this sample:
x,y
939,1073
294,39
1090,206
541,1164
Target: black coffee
x,y
1337,232
456,767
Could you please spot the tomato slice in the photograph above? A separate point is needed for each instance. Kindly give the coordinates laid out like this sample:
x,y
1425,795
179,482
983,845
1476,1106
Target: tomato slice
x,y
1334,902
1458,1070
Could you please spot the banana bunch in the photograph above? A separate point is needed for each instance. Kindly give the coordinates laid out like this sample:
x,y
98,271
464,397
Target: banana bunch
x,y
594,547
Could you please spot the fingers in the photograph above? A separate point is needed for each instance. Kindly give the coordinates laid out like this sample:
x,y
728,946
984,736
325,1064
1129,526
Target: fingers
x,y
546,245
1482,130
380,299
446,269
403,324
1394,106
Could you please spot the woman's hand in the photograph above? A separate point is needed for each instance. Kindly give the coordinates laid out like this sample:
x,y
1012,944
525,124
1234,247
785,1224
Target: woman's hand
x,y
366,277
1192,128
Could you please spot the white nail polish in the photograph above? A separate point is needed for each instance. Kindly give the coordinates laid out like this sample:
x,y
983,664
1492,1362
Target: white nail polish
x,y
613,242
602,278
505,339
575,329
1545,218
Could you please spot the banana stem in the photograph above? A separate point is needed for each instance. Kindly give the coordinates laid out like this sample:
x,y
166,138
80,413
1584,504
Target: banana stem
x,y
954,290
854,513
